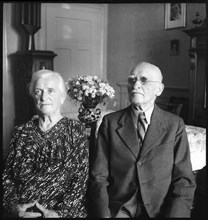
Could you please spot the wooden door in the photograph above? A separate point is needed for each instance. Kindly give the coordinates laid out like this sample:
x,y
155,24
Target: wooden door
x,y
76,33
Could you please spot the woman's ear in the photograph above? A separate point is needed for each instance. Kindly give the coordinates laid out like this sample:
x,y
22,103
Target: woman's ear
x,y
63,97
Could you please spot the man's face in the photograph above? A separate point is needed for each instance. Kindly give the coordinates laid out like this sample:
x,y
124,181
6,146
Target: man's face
x,y
144,85
47,95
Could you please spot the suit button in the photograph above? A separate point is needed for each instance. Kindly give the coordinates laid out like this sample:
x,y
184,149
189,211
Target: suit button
x,y
133,184
139,163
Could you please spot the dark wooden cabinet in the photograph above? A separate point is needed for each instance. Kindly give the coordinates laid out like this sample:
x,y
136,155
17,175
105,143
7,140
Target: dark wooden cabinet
x,y
197,89
199,209
24,63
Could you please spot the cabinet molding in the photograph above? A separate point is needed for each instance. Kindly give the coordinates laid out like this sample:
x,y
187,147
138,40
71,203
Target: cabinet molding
x,y
197,91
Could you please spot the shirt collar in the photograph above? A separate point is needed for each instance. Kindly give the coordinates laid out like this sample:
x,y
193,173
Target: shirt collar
x,y
148,113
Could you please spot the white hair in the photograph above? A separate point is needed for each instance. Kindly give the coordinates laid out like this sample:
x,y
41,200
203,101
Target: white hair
x,y
44,74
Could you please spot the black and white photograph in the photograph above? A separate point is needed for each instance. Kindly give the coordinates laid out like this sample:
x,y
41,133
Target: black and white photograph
x,y
174,47
175,15
104,109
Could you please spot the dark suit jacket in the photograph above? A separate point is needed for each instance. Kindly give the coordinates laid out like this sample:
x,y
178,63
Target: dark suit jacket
x,y
161,168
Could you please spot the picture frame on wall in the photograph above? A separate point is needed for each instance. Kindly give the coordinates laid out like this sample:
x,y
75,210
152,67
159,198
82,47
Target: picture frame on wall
x,y
174,47
175,15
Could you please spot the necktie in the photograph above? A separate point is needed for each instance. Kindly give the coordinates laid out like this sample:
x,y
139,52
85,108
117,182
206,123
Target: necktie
x,y
141,125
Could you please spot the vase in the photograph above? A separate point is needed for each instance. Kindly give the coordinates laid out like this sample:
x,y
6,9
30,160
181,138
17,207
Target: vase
x,y
88,113
89,105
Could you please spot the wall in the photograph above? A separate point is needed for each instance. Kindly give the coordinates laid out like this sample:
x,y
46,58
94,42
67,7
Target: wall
x,y
136,33
10,40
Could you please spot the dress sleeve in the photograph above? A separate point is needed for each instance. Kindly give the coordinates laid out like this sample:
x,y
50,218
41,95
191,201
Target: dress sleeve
x,y
74,203
10,194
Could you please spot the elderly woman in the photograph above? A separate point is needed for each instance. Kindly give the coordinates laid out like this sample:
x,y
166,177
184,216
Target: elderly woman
x,y
46,171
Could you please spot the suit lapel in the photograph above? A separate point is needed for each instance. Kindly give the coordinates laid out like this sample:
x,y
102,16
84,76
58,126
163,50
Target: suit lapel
x,y
127,132
154,133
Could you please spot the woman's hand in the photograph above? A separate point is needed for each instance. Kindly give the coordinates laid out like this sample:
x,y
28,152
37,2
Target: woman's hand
x,y
46,212
23,213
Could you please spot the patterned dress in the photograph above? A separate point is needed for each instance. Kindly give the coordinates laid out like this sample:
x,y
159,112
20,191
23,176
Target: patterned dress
x,y
50,167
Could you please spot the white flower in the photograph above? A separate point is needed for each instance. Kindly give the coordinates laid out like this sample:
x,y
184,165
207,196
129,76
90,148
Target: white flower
x,y
89,86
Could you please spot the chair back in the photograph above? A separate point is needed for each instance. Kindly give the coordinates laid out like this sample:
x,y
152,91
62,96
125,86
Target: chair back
x,y
171,107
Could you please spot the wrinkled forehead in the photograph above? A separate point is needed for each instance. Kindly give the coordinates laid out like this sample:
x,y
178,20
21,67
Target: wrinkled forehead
x,y
149,71
47,81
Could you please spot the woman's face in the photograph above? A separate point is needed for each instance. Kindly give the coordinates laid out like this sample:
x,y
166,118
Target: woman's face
x,y
47,96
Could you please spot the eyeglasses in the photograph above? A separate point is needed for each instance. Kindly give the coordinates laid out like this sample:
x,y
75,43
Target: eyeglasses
x,y
143,80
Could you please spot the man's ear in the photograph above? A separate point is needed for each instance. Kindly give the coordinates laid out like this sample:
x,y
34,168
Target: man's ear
x,y
160,89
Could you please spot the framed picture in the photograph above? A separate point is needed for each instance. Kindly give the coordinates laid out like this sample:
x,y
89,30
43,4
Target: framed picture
x,y
174,47
175,15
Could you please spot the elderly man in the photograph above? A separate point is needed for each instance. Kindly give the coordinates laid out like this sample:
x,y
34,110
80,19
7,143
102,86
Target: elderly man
x,y
141,166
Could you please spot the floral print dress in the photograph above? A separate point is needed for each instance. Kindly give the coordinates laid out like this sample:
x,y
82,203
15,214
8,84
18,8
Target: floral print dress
x,y
50,167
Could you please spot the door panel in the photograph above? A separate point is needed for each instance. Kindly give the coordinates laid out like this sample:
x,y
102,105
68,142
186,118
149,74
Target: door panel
x,y
76,34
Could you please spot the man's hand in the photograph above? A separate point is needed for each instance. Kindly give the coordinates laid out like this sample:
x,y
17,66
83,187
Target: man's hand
x,y
46,212
23,213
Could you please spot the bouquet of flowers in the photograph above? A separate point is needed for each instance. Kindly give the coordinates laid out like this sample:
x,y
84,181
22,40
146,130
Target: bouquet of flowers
x,y
89,90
